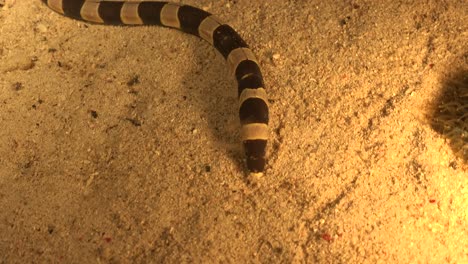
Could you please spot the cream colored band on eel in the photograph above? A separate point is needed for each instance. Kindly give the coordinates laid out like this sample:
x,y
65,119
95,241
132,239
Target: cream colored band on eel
x,y
252,93
254,131
129,13
56,5
237,56
207,28
89,12
169,16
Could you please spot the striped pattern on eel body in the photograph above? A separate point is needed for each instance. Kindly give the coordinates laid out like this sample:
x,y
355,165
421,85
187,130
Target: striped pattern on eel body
x,y
253,108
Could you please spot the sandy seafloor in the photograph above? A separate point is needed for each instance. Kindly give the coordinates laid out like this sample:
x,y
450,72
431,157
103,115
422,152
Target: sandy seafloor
x,y
121,144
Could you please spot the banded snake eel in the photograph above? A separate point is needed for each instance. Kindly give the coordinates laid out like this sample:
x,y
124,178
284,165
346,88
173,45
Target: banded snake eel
x,y
242,64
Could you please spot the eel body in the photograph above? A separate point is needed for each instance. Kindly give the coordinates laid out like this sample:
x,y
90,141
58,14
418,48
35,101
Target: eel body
x,y
242,64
